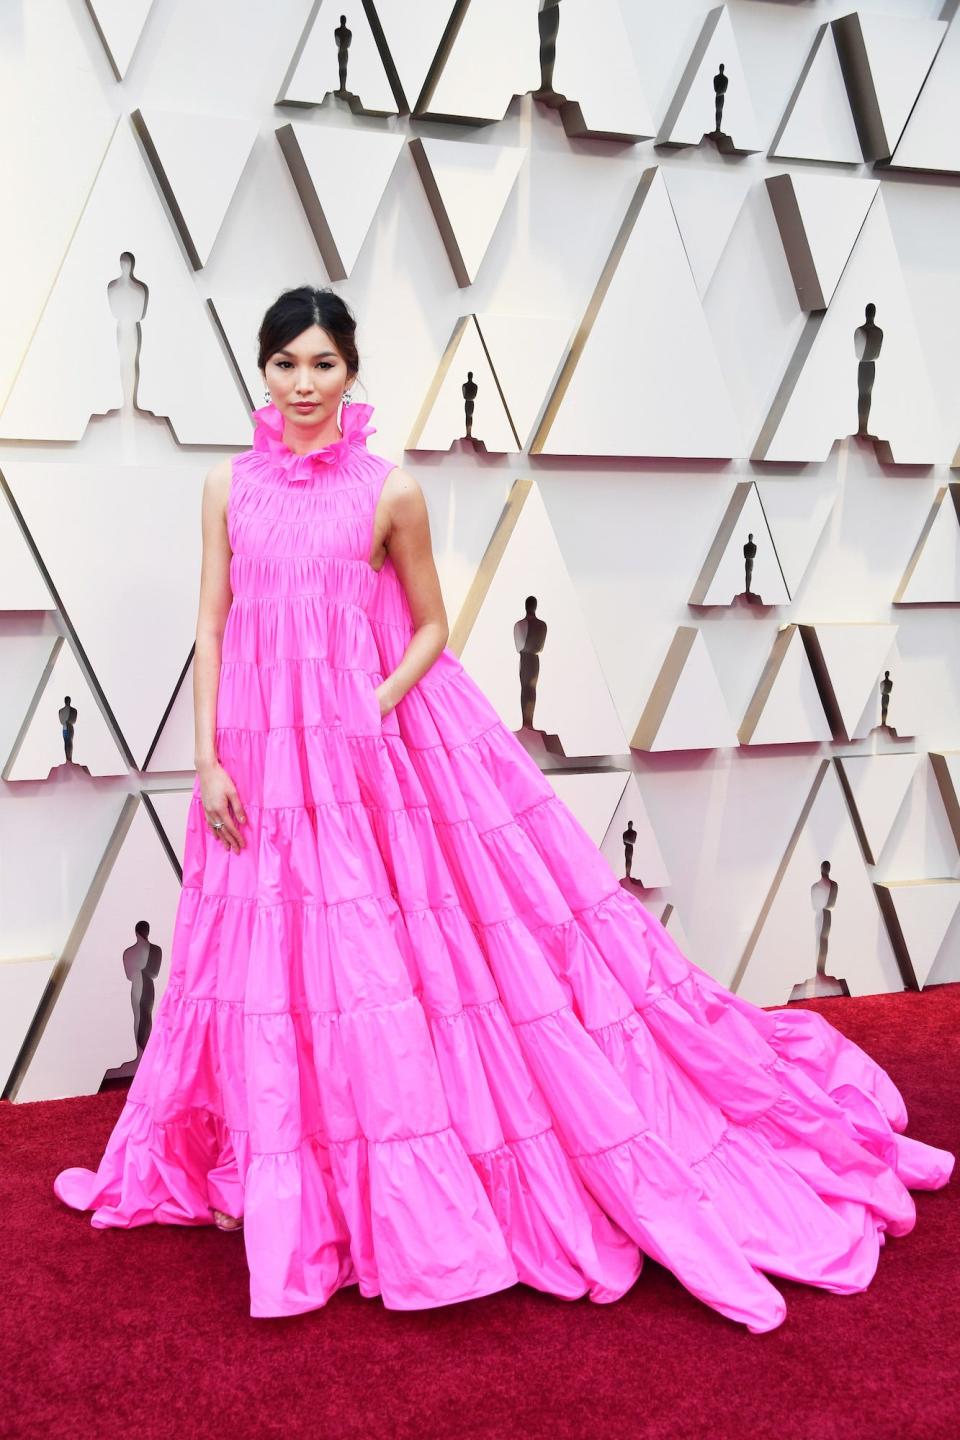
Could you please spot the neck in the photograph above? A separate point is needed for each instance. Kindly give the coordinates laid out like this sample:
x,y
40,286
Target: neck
x,y
303,439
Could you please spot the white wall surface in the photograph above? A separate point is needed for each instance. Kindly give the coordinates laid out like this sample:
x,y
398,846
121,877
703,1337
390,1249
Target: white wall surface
x,y
634,533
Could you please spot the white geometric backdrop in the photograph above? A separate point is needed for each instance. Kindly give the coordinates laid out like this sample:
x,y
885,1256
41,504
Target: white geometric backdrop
x,y
665,325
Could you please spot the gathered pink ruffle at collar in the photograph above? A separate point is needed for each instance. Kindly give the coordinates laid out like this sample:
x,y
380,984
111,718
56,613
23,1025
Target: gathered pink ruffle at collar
x,y
268,439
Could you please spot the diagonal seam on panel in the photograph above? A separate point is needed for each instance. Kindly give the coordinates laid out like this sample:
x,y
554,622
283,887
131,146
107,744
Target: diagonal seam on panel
x,y
593,309
170,704
804,345
855,67
63,260
496,377
824,682
898,940
818,40
119,738
444,224
710,24
497,544
788,384
949,792
934,514
61,969
32,707
390,69
438,64
297,54
792,843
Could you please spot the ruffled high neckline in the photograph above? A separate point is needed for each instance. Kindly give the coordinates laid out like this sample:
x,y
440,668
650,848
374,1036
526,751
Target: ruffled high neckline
x,y
268,439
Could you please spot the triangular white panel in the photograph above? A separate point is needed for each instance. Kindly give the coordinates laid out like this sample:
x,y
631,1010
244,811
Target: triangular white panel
x,y
853,660
783,949
442,419
931,138
25,659
686,709
904,704
596,85
933,574
198,160
819,218
119,24
22,585
46,173
818,405
238,317
706,205
494,54
818,123
340,175
669,918
724,574
786,708
40,746
797,512
202,399
645,321
946,967
22,983
525,352
692,112
524,558
176,742
946,768
887,58
90,1028
129,592
606,803
877,786
925,910
410,49
172,808
314,71
468,186
647,866
591,796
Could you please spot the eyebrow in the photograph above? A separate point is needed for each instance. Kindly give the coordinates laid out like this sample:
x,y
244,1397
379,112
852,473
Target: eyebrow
x,y
320,354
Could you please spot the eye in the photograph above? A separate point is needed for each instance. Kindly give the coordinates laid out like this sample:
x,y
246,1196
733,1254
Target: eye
x,y
283,364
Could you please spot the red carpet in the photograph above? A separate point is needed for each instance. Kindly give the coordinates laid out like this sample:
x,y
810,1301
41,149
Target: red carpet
x,y
146,1333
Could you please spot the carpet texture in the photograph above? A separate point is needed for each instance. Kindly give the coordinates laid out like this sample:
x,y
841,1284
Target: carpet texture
x,y
146,1333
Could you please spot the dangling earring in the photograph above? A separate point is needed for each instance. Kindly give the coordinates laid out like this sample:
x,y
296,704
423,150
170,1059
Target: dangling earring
x,y
266,395
347,397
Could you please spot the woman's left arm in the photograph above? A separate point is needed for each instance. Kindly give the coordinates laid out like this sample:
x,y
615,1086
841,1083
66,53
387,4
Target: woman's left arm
x,y
405,534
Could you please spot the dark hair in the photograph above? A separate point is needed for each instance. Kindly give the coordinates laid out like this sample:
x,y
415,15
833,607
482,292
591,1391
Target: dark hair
x,y
296,310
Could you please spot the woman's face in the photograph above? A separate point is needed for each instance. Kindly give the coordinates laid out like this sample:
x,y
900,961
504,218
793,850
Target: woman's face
x,y
307,378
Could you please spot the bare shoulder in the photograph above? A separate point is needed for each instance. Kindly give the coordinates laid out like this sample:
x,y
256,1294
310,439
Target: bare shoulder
x,y
403,495
216,488
218,477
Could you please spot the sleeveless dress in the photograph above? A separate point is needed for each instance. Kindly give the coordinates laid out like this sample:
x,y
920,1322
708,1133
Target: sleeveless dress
x,y
417,1034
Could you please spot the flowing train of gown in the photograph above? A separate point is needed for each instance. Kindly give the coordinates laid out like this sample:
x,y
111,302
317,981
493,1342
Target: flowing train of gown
x,y
417,1034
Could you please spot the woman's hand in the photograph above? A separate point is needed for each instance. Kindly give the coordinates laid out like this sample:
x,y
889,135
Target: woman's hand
x,y
221,802
383,698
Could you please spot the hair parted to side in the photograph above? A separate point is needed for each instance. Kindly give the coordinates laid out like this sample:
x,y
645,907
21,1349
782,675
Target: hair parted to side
x,y
296,310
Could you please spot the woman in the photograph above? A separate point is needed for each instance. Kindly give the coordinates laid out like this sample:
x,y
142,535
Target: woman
x,y
415,1036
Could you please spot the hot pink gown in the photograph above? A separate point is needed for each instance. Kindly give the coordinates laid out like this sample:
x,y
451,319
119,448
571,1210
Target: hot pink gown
x,y
417,1034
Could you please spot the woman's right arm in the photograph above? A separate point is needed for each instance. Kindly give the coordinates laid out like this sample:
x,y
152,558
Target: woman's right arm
x,y
216,597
